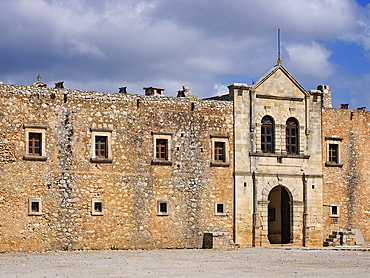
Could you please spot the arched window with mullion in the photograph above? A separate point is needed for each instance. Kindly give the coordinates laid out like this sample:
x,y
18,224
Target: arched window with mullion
x,y
292,136
267,134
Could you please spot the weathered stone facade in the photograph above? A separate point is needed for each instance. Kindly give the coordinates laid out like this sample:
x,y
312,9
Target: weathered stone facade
x,y
346,184
267,163
128,183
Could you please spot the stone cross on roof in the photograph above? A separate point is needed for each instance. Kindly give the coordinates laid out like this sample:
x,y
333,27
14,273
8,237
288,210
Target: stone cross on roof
x,y
39,77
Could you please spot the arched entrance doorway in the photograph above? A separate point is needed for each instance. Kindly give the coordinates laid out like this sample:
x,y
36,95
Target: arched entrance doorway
x,y
279,216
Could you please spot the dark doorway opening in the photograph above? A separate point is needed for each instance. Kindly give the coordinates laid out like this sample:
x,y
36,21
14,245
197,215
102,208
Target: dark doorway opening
x,y
279,216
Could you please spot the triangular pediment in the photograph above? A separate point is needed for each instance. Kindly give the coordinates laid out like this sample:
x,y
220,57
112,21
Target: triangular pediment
x,y
278,82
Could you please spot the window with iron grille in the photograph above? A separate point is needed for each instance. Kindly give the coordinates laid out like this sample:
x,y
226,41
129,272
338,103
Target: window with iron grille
x,y
101,147
267,130
333,153
291,136
34,144
219,152
161,149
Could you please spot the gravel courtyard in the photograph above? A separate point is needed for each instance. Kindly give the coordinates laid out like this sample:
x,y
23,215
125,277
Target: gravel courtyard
x,y
245,262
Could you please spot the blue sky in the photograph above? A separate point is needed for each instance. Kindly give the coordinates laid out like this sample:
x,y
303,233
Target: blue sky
x,y
203,44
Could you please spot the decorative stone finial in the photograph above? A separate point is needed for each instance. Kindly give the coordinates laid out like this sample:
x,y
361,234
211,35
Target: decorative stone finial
x,y
39,77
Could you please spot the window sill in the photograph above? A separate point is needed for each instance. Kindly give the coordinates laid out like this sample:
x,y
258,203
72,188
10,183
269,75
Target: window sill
x,y
34,213
35,157
101,160
333,164
220,164
161,162
220,214
163,214
280,155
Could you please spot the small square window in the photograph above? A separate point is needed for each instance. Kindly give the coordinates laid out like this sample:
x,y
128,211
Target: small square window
x,y
162,207
34,206
334,210
97,207
220,208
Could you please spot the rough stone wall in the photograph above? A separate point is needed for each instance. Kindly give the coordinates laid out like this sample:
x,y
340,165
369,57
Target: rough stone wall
x,y
347,184
130,185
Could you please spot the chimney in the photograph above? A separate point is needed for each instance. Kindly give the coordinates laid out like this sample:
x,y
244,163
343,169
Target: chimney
x,y
326,96
59,85
122,90
153,91
344,106
361,109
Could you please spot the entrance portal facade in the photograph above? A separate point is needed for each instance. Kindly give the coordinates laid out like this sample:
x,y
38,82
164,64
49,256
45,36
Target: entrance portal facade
x,y
277,161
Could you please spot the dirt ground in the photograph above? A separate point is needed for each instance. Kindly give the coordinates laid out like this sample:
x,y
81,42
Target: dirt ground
x,y
245,262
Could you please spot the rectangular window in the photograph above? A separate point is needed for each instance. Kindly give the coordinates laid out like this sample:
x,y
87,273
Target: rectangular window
x,y
334,210
101,147
333,153
97,207
161,149
219,152
162,207
220,208
34,206
34,144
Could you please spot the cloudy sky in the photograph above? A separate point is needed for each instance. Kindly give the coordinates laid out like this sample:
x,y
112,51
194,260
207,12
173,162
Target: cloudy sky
x,y
204,44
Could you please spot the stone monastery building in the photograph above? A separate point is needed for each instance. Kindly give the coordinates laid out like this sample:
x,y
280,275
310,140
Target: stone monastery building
x,y
270,163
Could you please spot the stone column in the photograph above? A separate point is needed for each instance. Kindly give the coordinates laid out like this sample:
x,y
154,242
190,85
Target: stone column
x,y
305,213
258,137
264,231
256,232
277,139
301,140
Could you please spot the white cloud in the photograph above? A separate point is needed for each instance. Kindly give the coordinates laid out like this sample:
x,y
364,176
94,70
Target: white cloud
x,y
310,61
220,89
169,43
79,47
